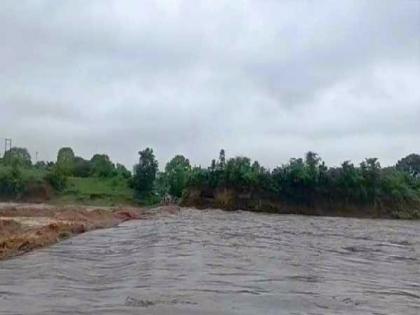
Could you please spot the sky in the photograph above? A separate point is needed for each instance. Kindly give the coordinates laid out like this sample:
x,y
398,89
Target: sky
x,y
266,79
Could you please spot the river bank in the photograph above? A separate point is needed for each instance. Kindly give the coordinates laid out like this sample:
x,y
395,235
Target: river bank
x,y
25,227
229,199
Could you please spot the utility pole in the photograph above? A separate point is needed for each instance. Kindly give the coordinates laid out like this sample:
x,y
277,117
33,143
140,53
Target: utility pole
x,y
7,145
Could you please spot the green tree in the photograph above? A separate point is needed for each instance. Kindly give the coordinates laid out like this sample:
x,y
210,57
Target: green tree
x,y
102,166
41,165
312,162
17,156
222,159
238,173
176,173
57,179
65,161
82,167
145,172
12,184
198,178
371,172
161,186
410,164
397,186
215,175
349,182
123,171
312,174
295,178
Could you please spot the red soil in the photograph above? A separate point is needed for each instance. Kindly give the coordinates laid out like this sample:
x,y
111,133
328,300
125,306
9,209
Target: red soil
x,y
23,229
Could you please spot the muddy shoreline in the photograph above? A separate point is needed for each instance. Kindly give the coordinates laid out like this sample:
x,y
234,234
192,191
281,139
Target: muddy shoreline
x,y
25,227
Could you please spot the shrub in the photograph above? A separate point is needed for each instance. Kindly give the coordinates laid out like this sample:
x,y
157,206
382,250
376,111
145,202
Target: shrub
x,y
56,179
12,184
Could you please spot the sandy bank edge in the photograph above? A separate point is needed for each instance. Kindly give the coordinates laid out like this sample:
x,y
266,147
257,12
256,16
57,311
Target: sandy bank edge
x,y
25,227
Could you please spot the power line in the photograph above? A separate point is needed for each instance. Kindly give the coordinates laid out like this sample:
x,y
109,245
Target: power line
x,y
8,146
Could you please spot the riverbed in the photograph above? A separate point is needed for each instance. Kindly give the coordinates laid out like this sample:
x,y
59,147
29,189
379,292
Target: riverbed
x,y
217,262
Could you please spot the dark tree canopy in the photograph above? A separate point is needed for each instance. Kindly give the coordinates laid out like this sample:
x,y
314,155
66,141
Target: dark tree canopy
x,y
145,172
17,156
65,161
309,182
12,183
122,171
410,164
41,165
82,167
102,166
177,171
222,158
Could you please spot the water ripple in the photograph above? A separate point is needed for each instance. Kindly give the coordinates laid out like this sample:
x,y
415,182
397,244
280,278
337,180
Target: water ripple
x,y
215,262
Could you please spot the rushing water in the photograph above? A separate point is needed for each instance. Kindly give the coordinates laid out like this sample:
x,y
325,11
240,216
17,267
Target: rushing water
x,y
214,262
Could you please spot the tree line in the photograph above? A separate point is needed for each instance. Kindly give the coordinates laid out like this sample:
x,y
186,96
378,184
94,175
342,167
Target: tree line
x,y
306,181
301,182
17,161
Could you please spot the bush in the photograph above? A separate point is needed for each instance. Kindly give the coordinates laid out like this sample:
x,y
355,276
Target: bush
x,y
12,184
122,171
101,166
56,179
82,167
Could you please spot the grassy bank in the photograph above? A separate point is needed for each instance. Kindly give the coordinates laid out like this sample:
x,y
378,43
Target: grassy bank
x,y
95,191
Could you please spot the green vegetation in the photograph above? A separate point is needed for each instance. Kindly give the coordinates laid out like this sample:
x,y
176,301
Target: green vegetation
x,y
145,173
17,156
12,183
28,173
101,166
57,179
303,185
65,161
308,185
176,175
71,179
96,191
410,164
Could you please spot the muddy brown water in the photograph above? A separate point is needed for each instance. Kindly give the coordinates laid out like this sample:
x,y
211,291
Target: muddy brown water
x,y
215,262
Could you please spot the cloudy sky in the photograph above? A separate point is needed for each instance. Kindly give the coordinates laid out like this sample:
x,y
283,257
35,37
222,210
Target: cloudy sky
x,y
266,79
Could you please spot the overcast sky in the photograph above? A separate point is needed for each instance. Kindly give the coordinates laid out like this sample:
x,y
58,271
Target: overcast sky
x,y
266,79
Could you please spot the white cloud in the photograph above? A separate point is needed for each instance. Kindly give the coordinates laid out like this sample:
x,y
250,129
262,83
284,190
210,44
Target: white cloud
x,y
267,79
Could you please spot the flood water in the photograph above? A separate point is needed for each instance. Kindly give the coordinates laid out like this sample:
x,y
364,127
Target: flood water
x,y
215,262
